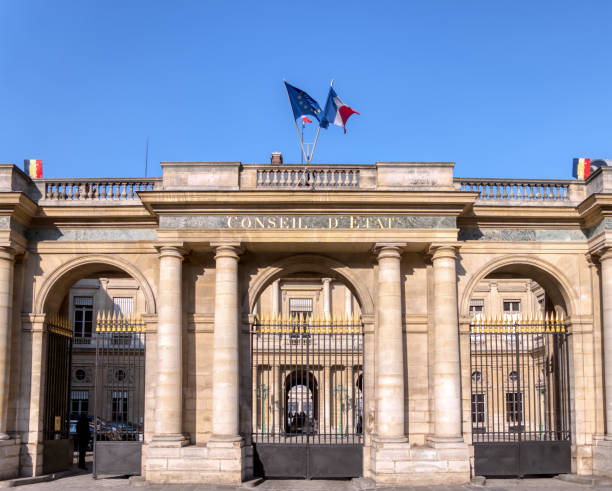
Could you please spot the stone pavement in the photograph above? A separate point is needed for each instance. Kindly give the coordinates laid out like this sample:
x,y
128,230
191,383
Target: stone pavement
x,y
84,482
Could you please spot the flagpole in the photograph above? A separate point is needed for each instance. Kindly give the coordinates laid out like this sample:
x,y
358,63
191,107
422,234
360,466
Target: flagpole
x,y
296,125
318,129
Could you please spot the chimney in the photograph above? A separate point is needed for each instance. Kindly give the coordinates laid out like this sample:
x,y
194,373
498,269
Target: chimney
x,y
276,158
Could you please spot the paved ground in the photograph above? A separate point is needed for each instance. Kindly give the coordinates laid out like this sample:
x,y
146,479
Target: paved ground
x,y
84,481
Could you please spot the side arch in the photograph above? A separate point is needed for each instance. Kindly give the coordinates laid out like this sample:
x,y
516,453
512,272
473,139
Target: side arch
x,y
74,269
547,275
314,264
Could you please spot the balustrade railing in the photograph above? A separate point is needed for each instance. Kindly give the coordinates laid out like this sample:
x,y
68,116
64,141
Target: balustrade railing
x,y
114,189
308,177
517,189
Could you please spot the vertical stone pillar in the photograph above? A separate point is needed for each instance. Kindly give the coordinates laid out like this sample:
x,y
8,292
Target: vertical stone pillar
x,y
275,297
348,301
169,409
446,372
6,295
225,426
606,302
326,296
389,347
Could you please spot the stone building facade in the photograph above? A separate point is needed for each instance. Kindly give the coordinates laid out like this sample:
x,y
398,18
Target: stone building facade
x,y
210,248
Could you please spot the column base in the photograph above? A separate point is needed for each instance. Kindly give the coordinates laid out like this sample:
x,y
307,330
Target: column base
x,y
602,457
217,462
175,440
9,458
399,463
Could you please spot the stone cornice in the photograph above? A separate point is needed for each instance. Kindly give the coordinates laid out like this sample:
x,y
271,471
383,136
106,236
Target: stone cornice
x,y
18,206
294,201
594,209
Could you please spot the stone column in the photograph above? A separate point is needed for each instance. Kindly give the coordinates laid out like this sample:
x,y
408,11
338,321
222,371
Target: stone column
x,y
606,302
169,409
275,297
326,296
446,375
390,347
6,295
225,345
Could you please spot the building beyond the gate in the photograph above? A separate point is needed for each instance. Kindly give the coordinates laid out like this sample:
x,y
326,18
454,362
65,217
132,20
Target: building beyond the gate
x,y
419,327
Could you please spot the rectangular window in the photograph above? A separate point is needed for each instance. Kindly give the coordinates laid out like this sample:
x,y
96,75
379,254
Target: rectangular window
x,y
478,408
120,406
514,407
123,305
82,316
476,307
79,402
300,306
512,306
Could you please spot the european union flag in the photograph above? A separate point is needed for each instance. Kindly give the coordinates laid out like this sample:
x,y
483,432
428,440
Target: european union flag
x,y
301,103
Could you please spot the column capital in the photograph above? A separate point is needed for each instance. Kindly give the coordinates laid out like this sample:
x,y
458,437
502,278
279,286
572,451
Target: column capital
x,y
326,280
604,254
7,253
439,251
171,250
227,249
388,249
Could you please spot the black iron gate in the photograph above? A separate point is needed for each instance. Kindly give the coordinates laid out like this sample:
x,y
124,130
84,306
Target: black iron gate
x,y
57,449
120,384
520,396
307,377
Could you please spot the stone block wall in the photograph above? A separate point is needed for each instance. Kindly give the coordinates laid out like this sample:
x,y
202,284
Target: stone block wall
x,y
9,459
217,462
402,464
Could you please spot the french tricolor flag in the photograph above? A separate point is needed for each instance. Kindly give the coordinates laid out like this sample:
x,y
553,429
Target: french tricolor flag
x,y
336,112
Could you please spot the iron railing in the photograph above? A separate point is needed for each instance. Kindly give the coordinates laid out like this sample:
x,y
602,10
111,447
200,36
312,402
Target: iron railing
x,y
519,379
307,378
57,396
120,385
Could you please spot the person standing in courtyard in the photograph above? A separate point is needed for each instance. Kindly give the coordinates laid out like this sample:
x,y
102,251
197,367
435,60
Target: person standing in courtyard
x,y
83,436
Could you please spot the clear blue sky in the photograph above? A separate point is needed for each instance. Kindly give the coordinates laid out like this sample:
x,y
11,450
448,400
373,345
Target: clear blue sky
x,y
502,88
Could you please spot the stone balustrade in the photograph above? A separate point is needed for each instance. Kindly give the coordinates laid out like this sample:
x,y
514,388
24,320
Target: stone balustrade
x,y
519,190
114,189
318,177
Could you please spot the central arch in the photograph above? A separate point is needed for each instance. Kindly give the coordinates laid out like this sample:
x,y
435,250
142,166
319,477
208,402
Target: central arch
x,y
310,263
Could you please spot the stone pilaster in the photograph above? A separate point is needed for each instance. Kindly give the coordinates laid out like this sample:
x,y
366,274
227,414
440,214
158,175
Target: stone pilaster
x,y
6,295
275,297
606,304
169,408
602,451
446,370
326,296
